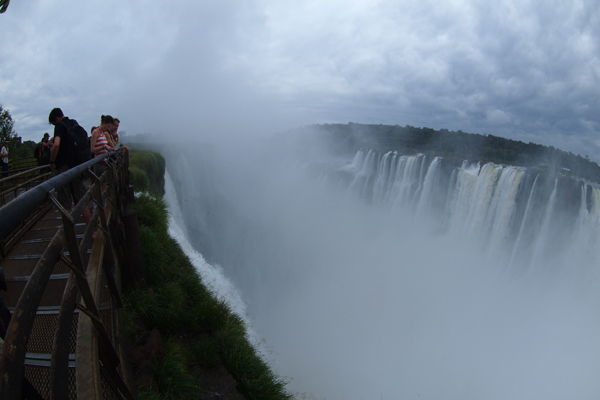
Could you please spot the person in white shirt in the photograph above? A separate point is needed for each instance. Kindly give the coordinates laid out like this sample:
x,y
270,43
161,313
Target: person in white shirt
x,y
4,154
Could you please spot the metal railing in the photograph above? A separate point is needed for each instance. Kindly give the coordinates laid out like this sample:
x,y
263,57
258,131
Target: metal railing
x,y
20,180
91,298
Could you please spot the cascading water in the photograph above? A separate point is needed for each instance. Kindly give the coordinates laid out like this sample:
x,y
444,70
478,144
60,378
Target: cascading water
x,y
395,276
486,203
212,275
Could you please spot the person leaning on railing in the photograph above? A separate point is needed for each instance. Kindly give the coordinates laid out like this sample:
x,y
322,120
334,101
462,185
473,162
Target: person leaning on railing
x,y
100,144
75,189
115,136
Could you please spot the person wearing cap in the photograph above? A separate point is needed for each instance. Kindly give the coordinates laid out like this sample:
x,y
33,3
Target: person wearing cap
x,y
4,155
46,150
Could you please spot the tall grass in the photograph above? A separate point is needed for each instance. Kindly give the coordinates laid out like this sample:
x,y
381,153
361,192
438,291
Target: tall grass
x,y
198,330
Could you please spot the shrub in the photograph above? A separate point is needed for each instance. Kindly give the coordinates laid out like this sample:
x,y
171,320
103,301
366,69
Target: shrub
x,y
199,330
139,179
153,165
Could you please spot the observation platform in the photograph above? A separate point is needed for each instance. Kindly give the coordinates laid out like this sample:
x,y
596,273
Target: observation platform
x,y
62,286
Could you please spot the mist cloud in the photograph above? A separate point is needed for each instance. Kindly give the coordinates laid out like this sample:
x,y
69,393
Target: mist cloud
x,y
524,70
357,301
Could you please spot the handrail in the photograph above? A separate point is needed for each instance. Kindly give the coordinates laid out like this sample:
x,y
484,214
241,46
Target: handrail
x,y
22,172
104,263
19,329
22,186
15,211
19,162
27,182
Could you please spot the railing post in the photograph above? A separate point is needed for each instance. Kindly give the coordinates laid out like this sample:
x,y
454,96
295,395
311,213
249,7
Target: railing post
x,y
106,251
76,265
59,379
19,329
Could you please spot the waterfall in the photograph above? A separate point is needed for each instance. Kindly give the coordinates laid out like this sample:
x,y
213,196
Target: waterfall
x,y
491,204
524,221
386,275
212,275
540,243
430,183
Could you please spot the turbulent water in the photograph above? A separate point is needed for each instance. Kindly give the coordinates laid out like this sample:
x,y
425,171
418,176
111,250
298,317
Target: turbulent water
x,y
392,276
525,219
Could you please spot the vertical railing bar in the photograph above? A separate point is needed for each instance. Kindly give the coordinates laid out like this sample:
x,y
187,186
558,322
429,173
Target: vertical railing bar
x,y
106,223
59,378
60,346
18,332
84,288
110,260
110,368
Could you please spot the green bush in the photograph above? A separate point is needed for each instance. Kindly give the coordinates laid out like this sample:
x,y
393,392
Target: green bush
x,y
205,352
174,378
153,165
199,330
152,212
138,178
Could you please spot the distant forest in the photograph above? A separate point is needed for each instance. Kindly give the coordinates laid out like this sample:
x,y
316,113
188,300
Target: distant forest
x,y
454,145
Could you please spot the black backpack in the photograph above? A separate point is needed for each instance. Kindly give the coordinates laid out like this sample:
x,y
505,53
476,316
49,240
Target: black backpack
x,y
78,144
46,155
37,153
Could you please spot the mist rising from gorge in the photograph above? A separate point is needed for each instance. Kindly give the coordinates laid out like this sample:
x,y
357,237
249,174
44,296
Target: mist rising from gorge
x,y
358,299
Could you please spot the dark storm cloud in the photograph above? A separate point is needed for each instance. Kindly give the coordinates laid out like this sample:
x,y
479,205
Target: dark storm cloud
x,y
525,70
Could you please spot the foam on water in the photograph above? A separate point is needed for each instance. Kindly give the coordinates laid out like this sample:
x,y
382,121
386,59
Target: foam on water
x,y
359,298
212,275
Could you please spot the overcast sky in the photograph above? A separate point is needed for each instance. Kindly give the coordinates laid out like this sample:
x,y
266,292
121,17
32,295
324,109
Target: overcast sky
x,y
527,70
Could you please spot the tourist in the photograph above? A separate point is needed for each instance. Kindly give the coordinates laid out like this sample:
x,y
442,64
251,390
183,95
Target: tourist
x,y
100,143
4,156
115,136
60,158
46,149
107,131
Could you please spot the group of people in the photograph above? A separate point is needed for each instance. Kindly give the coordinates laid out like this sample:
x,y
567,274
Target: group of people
x,y
107,134
104,139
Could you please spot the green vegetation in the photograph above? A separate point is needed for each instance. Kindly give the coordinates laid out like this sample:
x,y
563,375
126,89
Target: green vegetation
x,y
200,334
3,5
147,172
453,145
6,125
16,147
22,151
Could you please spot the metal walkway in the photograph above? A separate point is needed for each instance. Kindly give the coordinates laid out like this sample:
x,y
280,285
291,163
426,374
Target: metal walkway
x,y
65,336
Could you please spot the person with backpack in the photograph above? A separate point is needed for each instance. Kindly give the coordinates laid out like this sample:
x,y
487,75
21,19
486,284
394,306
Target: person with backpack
x,y
70,149
43,150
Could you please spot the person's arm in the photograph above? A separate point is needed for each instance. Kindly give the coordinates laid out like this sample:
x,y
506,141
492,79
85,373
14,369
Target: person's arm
x,y
110,140
93,148
54,152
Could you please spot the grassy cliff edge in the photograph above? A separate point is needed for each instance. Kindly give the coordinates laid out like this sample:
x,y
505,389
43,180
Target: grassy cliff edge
x,y
186,344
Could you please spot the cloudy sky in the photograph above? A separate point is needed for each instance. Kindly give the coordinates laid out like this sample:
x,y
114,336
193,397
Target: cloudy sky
x,y
523,69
